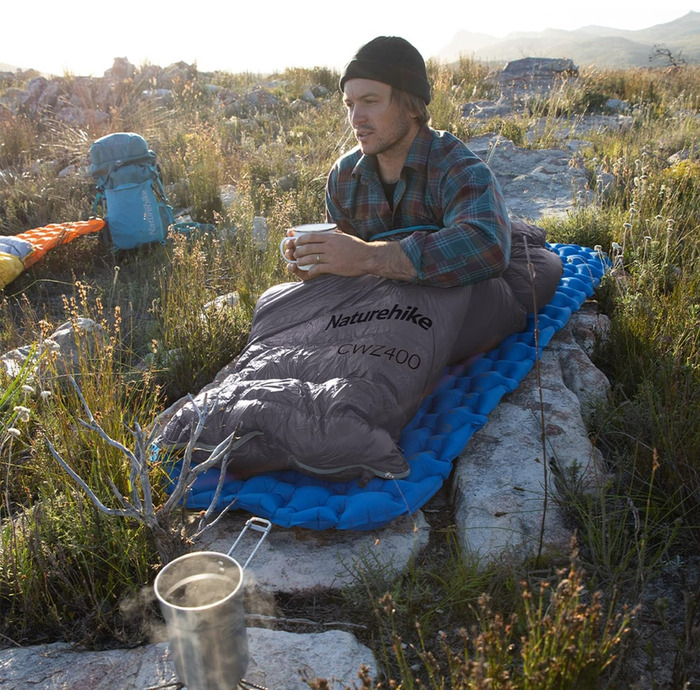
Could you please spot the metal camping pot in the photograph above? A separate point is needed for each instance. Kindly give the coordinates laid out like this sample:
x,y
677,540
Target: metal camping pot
x,y
201,597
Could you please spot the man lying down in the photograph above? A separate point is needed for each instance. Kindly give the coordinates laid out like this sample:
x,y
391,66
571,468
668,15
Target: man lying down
x,y
424,269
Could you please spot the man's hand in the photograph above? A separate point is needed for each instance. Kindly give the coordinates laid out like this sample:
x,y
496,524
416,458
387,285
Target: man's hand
x,y
347,256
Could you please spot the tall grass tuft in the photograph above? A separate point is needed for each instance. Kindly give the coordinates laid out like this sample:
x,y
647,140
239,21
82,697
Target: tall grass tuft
x,y
560,636
196,336
64,569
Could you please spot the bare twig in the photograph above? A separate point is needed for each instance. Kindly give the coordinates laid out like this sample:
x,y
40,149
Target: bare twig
x,y
90,493
140,506
255,617
219,486
545,501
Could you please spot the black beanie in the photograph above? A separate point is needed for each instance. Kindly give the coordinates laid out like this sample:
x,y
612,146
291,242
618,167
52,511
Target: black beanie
x,y
391,60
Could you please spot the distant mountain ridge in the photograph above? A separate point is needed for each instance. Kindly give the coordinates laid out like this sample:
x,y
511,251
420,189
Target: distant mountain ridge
x,y
604,47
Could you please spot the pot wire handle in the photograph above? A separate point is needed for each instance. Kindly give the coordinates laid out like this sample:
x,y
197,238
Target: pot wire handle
x,y
259,525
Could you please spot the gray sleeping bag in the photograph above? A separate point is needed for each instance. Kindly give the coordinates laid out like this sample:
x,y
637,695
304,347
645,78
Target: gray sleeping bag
x,y
335,368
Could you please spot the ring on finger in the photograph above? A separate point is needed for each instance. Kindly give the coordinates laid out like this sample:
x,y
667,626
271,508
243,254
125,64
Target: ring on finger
x,y
318,258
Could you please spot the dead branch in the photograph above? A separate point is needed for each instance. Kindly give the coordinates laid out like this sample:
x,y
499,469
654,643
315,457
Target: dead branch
x,y
168,539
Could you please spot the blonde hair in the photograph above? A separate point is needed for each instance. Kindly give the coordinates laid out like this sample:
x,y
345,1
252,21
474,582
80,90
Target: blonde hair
x,y
412,104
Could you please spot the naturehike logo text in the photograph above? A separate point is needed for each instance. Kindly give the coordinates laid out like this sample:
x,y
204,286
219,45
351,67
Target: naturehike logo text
x,y
149,215
398,313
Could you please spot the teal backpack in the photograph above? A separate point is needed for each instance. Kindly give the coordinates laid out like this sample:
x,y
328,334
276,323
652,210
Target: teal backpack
x,y
130,194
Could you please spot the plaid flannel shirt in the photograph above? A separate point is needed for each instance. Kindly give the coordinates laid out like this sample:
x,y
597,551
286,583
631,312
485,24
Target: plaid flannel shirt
x,y
442,184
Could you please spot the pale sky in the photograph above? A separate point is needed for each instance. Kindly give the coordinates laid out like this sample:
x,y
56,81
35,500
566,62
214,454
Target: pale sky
x,y
82,37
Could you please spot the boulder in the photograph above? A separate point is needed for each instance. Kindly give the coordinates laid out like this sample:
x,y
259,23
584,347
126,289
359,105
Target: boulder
x,y
535,183
160,95
499,481
278,661
320,91
81,92
685,154
260,99
486,109
13,99
228,195
49,96
62,346
83,116
239,107
73,116
176,75
260,232
307,561
309,97
150,73
531,76
615,105
35,88
121,69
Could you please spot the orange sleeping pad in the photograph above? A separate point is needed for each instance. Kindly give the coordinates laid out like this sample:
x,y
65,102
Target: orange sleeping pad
x,y
47,237
22,250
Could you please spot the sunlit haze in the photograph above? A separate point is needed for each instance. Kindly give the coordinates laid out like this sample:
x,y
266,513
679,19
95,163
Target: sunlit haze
x,y
83,37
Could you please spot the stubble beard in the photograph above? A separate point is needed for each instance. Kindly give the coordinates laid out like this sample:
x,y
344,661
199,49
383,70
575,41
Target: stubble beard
x,y
397,138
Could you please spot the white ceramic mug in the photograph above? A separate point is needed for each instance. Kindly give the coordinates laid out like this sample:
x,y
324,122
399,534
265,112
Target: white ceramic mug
x,y
300,231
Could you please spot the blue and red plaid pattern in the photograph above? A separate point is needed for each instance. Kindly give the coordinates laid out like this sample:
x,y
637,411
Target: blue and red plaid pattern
x,y
443,184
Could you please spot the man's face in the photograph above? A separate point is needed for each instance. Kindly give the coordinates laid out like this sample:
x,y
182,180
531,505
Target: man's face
x,y
381,126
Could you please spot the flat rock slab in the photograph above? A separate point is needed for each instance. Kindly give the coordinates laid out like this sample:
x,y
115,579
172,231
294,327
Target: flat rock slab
x,y
297,560
499,481
535,183
61,667
278,661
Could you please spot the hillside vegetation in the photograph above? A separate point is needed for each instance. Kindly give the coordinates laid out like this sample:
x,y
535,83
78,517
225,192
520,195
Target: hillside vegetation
x,y
584,623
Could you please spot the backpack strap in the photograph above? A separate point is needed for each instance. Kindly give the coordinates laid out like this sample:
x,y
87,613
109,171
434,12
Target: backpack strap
x,y
157,182
99,201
